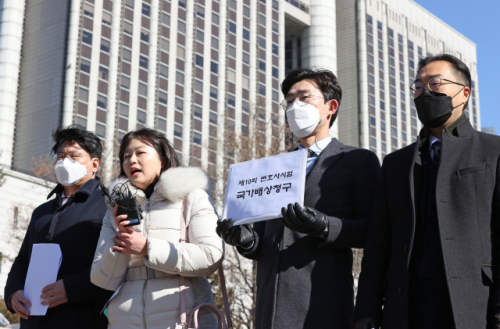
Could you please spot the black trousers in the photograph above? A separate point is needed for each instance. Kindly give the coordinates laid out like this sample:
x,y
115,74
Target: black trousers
x,y
429,308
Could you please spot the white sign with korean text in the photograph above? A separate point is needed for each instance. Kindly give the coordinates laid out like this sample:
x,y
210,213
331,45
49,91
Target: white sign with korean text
x,y
258,189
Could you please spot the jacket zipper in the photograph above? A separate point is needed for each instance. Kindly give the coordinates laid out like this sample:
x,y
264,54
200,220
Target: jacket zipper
x,y
145,233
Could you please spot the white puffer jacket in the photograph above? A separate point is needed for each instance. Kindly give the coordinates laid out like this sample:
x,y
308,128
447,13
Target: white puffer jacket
x,y
149,297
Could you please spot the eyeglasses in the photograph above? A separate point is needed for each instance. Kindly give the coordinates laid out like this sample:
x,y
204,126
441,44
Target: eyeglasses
x,y
305,99
73,155
433,84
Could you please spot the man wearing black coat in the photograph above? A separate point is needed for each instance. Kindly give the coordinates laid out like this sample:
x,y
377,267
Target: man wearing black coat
x,y
304,259
431,257
73,220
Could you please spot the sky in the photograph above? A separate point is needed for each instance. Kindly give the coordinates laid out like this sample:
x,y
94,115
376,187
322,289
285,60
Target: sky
x,y
479,21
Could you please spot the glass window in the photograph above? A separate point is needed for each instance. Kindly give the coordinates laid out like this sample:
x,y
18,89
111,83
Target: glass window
x,y
127,55
246,34
179,77
232,51
164,71
129,3
179,104
143,89
231,76
182,3
145,36
124,110
180,52
246,58
246,11
245,82
198,86
141,116
213,117
275,27
200,11
83,94
181,26
162,97
215,19
105,45
232,4
275,49
125,82
127,28
199,60
213,92
162,124
81,123
146,9
262,20
165,19
262,89
262,42
88,10
84,65
197,138
102,101
103,73
214,67
106,18
275,72
87,37
215,43
200,35
165,45
276,96
143,62
100,130
373,121
177,131
198,112
231,101
232,27
262,65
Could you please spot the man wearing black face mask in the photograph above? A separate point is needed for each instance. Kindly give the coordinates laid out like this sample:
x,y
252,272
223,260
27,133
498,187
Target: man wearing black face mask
x,y
431,258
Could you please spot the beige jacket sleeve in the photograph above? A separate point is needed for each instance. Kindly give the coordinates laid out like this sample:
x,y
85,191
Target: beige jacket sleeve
x,y
204,251
109,266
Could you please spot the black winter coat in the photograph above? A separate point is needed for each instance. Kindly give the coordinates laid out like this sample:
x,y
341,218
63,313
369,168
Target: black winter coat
x,y
468,212
304,283
77,232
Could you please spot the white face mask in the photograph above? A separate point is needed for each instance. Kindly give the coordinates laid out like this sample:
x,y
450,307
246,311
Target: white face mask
x,y
303,118
69,171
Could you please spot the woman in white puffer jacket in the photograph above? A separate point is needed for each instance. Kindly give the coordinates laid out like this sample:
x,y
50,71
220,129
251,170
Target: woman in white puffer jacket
x,y
148,258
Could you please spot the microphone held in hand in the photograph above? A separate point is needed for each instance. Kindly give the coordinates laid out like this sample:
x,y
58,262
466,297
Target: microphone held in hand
x,y
127,203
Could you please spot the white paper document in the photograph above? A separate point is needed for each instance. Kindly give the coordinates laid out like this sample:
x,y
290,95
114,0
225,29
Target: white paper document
x,y
258,189
44,265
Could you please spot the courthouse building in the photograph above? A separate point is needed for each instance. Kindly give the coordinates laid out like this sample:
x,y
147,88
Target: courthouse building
x,y
202,71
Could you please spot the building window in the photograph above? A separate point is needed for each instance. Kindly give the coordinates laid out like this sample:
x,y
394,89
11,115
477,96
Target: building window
x,y
87,37
141,116
102,101
84,66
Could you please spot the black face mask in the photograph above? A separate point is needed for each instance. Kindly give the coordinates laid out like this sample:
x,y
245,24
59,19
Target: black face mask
x,y
433,108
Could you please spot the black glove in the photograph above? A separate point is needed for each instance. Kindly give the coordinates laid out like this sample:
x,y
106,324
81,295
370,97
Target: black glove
x,y
238,236
304,220
366,323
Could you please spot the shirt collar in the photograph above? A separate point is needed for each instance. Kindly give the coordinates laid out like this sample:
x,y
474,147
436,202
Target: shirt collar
x,y
87,188
319,146
432,140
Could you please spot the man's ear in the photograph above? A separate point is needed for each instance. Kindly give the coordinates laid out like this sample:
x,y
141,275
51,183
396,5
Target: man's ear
x,y
333,107
95,165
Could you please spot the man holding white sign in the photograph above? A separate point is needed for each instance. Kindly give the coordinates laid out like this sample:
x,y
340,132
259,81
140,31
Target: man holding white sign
x,y
304,273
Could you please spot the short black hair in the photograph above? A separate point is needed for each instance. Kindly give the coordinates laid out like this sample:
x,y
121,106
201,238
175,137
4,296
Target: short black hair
x,y
156,140
86,139
459,69
325,80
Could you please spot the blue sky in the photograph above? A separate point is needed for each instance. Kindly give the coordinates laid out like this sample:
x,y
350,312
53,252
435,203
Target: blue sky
x,y
480,22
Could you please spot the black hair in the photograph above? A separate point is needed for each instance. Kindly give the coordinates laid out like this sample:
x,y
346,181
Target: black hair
x,y
154,139
72,134
325,80
459,69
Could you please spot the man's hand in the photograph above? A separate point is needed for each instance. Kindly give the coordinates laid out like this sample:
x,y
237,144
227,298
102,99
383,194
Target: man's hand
x,y
366,323
54,294
131,242
304,220
238,236
18,302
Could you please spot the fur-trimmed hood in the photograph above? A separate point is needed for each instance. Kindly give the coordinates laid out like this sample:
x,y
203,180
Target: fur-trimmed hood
x,y
174,185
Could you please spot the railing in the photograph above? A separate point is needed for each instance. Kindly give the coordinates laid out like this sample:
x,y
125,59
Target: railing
x,y
299,4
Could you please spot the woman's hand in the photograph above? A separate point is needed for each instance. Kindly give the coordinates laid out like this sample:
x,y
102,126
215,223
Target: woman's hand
x,y
119,220
131,242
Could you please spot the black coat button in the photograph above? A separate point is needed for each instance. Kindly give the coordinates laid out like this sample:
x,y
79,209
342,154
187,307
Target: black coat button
x,y
278,245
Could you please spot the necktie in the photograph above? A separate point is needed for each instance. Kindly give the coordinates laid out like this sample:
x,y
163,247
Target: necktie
x,y
436,147
311,154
